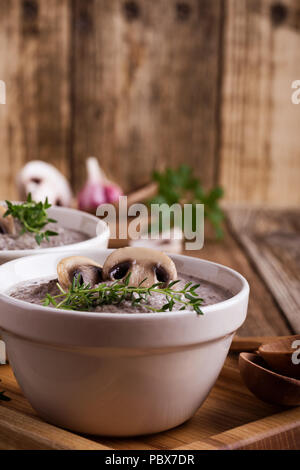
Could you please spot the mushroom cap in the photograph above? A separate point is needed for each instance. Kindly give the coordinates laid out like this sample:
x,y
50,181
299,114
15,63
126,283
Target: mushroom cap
x,y
7,224
42,179
143,264
73,266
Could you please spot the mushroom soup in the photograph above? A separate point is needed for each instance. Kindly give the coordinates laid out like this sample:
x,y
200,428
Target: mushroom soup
x,y
26,226
132,280
27,241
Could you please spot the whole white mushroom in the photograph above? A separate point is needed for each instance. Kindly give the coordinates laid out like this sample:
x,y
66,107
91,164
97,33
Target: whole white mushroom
x,y
43,180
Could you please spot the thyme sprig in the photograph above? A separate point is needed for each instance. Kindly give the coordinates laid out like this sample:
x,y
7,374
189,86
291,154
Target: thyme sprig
x,y
33,217
82,297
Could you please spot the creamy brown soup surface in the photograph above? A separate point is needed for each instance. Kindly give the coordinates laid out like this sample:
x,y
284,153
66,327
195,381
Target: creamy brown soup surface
x,y
36,291
27,240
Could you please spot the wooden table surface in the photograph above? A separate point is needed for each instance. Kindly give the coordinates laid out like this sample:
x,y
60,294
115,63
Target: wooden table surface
x,y
264,247
246,249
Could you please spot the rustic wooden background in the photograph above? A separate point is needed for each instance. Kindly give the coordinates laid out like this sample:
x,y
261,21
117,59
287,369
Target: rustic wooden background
x,y
142,84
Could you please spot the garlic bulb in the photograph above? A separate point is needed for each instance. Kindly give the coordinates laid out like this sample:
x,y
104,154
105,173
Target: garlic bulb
x,y
97,189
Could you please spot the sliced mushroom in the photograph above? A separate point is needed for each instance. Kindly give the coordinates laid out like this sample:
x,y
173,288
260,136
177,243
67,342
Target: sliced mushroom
x,y
7,224
143,264
80,267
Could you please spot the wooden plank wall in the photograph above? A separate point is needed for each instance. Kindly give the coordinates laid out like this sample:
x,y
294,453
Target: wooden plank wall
x,y
34,63
145,84
139,104
260,153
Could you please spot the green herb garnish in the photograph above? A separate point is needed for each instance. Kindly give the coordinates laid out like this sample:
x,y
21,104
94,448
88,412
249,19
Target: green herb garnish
x,y
178,186
33,217
83,298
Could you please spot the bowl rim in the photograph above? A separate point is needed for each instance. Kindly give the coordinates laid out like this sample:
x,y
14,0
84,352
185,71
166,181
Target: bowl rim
x,y
235,299
105,233
248,357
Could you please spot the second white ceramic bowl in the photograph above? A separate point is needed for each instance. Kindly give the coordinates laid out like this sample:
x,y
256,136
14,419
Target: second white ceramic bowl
x,y
118,374
96,230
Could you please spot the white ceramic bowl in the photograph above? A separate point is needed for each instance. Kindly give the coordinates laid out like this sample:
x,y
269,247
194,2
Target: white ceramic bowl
x,y
94,228
112,373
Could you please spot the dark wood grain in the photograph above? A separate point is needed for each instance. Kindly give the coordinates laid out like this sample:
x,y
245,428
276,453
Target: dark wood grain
x,y
143,84
272,240
259,155
34,63
145,89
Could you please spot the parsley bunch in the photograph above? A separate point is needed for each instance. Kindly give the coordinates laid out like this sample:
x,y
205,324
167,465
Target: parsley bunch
x,y
81,297
33,217
181,186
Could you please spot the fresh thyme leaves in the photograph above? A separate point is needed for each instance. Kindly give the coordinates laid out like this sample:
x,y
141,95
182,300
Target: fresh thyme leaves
x,y
33,217
81,297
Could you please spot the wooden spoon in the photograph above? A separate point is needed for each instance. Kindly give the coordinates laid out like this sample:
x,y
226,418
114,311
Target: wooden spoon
x,y
279,355
266,384
252,343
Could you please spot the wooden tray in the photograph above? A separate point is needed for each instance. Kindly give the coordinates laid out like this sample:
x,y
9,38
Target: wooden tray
x,y
231,418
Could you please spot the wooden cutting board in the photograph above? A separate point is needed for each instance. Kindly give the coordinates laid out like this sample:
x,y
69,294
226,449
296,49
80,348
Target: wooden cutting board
x,y
231,418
